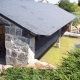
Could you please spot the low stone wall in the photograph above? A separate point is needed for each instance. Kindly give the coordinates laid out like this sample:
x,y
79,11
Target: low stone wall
x,y
17,50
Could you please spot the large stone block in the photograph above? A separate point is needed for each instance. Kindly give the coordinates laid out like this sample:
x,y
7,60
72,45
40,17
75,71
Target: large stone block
x,y
22,57
14,53
8,37
10,60
19,43
8,52
8,44
30,56
24,49
16,57
18,31
7,29
12,30
18,51
23,39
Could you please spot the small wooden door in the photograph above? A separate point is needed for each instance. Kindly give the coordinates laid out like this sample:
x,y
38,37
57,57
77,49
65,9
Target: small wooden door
x,y
2,41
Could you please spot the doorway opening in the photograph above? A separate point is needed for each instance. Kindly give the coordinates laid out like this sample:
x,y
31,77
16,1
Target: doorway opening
x,y
2,42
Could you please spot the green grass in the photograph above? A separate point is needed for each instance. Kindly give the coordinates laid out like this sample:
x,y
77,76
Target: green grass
x,y
77,20
54,55
77,14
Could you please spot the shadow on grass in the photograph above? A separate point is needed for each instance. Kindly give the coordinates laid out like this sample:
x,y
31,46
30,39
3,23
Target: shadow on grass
x,y
47,50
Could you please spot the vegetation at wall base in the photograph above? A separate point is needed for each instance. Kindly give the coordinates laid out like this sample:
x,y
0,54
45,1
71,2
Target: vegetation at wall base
x,y
70,70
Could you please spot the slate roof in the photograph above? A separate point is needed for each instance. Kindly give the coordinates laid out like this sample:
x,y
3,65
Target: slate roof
x,y
39,18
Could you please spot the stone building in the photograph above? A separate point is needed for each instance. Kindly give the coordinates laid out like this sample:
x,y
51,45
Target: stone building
x,y
28,28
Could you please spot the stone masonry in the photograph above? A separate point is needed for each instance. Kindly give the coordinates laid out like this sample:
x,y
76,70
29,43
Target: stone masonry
x,y
18,51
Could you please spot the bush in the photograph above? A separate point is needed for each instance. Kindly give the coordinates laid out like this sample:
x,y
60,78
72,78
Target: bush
x,y
76,21
70,70
27,74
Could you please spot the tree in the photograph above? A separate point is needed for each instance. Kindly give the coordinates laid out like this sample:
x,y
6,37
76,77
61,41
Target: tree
x,y
74,6
66,5
78,2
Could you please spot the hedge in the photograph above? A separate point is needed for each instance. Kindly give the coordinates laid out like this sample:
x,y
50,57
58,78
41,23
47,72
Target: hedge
x,y
70,70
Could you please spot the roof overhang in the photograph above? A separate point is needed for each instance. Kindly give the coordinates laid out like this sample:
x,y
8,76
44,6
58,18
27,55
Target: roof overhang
x,y
38,18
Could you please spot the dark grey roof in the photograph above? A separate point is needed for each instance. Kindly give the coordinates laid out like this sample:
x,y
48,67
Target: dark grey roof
x,y
39,18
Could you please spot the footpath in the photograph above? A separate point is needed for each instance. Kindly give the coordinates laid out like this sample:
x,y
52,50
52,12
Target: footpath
x,y
72,34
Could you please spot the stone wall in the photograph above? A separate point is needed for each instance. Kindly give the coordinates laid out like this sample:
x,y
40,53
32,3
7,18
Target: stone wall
x,y
18,52
13,30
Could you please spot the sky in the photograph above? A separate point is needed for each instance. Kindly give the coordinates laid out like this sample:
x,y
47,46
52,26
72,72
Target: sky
x,y
56,1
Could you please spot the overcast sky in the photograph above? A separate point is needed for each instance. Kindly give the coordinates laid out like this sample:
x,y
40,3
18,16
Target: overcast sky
x,y
56,1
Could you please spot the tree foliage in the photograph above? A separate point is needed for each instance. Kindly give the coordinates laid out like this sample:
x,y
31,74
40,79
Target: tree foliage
x,y
67,5
78,2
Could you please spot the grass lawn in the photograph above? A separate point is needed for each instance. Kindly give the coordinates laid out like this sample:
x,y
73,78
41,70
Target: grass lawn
x,y
76,14
54,55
